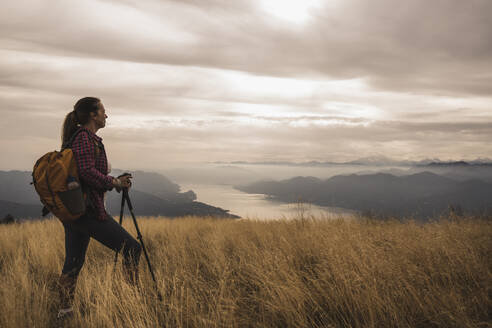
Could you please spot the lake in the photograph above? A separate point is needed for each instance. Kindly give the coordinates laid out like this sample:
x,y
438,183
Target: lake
x,y
213,184
256,206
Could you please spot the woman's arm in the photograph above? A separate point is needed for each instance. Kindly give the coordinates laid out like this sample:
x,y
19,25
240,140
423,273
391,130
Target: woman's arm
x,y
84,152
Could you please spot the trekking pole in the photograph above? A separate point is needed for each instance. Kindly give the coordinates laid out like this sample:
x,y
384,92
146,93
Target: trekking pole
x,y
139,236
121,222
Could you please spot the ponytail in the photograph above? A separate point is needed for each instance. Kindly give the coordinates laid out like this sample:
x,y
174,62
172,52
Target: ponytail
x,y
79,116
69,127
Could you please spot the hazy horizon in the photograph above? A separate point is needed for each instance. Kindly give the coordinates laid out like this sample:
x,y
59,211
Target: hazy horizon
x,y
189,82
269,167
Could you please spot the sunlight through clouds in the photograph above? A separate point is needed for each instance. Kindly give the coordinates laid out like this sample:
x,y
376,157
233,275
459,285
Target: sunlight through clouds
x,y
353,110
295,11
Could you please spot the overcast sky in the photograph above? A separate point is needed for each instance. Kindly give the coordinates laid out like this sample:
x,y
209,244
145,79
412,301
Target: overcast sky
x,y
253,80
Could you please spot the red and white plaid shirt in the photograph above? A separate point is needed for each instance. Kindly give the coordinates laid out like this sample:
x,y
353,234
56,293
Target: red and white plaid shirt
x,y
93,171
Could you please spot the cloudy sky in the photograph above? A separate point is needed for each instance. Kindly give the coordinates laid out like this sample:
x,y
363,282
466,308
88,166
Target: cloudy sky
x,y
254,80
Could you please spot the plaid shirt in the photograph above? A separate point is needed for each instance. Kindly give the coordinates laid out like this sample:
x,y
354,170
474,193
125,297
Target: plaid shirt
x,y
93,171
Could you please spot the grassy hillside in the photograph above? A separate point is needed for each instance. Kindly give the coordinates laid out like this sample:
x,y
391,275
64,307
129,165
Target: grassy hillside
x,y
245,273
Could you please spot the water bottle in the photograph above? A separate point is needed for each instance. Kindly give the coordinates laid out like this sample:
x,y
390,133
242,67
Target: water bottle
x,y
72,183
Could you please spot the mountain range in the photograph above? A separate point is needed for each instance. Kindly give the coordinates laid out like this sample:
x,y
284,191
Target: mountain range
x,y
421,195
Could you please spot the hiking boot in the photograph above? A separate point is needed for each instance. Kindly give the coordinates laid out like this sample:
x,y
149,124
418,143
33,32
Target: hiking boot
x,y
65,313
66,284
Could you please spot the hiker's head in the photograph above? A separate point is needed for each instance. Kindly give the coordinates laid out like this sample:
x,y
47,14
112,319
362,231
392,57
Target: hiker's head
x,y
86,111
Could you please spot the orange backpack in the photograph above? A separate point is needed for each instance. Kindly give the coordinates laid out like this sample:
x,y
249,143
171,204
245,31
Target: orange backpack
x,y
56,180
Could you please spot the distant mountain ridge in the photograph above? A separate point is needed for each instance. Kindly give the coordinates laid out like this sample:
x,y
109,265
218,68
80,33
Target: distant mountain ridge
x,y
458,163
370,161
422,195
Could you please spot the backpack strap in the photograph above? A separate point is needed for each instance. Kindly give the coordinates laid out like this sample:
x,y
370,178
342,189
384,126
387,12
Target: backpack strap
x,y
68,144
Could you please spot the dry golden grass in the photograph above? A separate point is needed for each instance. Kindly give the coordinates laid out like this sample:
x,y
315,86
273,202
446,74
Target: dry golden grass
x,y
248,273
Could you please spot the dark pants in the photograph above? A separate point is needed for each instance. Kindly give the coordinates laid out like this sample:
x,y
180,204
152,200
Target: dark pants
x,y
108,232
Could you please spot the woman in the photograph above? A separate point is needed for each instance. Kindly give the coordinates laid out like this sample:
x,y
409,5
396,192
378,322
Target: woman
x,y
89,115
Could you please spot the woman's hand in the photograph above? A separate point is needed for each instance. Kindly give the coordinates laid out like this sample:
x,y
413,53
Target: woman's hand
x,y
123,181
117,184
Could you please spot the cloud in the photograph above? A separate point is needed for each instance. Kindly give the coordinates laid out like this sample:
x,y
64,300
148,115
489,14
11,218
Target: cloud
x,y
442,46
226,80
